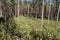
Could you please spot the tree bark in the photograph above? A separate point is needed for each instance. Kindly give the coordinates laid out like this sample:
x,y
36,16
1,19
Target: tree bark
x,y
0,8
58,13
18,7
42,16
49,10
15,8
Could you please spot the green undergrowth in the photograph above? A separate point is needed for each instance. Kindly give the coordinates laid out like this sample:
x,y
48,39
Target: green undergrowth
x,y
27,25
29,28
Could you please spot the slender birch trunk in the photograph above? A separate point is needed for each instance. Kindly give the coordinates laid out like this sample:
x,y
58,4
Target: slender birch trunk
x,y
15,11
28,9
49,10
42,13
58,13
18,7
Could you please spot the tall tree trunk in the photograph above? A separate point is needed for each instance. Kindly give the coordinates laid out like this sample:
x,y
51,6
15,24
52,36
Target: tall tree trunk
x,y
18,7
0,8
15,11
28,9
58,13
42,16
57,9
15,8
49,10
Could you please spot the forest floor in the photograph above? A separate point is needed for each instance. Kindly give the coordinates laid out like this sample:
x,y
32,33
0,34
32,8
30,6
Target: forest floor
x,y
30,27
26,24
